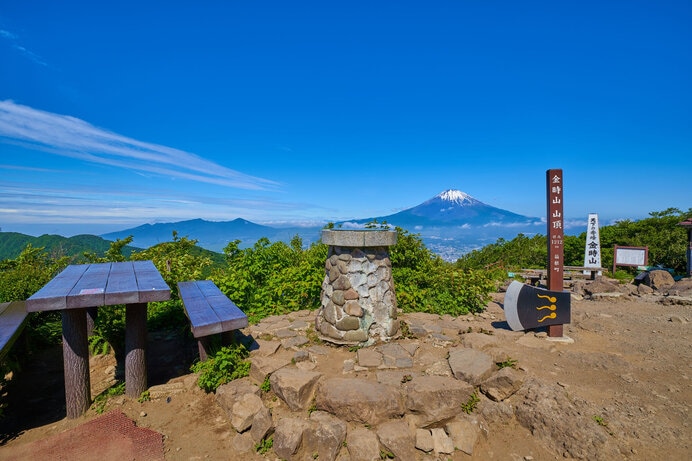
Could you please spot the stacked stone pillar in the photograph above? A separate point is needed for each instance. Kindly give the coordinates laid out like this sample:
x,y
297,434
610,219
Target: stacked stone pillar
x,y
358,302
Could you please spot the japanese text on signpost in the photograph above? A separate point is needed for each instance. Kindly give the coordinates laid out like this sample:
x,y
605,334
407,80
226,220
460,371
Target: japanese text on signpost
x,y
555,229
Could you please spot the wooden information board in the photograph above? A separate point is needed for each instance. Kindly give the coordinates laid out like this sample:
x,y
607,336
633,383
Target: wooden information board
x,y
630,256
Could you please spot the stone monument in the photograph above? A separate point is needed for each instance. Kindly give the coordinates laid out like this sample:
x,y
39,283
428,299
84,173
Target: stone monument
x,y
358,302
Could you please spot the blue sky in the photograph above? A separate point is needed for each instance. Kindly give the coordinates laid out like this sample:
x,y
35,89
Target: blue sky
x,y
117,114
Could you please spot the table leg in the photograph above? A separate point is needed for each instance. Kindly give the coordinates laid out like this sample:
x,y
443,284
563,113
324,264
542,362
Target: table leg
x,y
75,349
203,347
92,314
135,349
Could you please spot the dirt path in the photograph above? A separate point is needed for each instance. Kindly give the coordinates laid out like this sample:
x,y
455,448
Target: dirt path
x,y
628,370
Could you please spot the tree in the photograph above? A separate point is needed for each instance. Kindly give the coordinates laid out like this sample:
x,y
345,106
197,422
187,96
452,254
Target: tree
x,y
22,277
666,240
113,254
272,278
426,283
178,261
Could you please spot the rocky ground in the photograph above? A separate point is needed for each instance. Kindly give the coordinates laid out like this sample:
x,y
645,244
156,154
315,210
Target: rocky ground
x,y
619,388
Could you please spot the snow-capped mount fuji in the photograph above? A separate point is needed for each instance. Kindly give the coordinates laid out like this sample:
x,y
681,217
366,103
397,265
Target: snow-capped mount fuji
x,y
453,223
456,196
455,208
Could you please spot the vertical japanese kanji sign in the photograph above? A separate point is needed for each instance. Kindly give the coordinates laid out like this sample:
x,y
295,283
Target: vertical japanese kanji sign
x,y
555,193
555,230
592,251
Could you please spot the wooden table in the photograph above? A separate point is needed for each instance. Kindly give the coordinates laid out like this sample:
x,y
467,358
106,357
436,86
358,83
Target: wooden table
x,y
83,286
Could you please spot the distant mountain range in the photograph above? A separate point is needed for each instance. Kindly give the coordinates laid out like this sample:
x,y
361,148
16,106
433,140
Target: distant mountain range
x,y
451,224
213,235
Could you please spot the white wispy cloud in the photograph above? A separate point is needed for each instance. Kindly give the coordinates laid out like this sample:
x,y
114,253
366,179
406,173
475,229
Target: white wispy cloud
x,y
14,42
71,137
23,203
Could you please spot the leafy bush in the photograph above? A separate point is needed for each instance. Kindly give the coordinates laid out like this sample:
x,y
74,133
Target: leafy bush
x,y
471,403
45,328
272,278
22,277
667,241
167,315
110,326
223,366
98,345
178,261
263,446
520,252
113,254
426,283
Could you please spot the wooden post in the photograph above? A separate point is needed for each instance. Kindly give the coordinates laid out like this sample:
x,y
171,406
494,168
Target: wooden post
x,y
203,347
92,315
615,258
135,349
555,185
689,252
75,349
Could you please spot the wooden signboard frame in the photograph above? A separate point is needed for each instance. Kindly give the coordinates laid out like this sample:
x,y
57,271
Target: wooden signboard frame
x,y
630,256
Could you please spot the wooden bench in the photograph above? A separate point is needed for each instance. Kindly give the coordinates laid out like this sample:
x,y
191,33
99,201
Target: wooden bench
x,y
580,269
535,276
210,312
13,316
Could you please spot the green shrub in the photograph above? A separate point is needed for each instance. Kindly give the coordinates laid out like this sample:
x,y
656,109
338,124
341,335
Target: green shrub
x,y
666,240
223,366
101,400
426,283
508,363
22,277
98,345
471,403
272,278
178,261
167,315
263,446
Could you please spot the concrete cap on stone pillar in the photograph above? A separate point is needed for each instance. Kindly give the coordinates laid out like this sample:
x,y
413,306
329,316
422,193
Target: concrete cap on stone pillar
x,y
359,238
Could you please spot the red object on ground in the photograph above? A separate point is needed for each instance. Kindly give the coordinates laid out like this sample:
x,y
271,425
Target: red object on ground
x,y
111,437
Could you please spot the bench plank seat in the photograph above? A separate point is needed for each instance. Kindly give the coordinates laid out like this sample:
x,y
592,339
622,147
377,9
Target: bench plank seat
x,y
13,316
209,310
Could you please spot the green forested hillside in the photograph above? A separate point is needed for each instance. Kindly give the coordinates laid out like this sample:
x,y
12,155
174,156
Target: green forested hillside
x,y
12,244
660,232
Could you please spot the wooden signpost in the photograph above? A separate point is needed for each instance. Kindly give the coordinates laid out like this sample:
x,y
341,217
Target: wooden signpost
x,y
527,307
555,192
